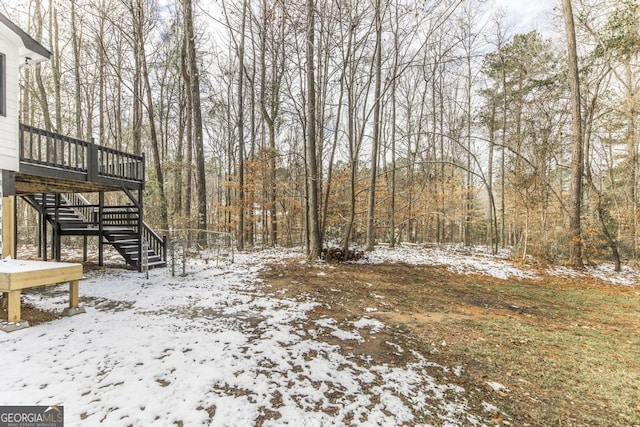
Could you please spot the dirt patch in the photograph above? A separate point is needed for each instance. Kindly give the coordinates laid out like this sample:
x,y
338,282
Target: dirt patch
x,y
31,314
545,352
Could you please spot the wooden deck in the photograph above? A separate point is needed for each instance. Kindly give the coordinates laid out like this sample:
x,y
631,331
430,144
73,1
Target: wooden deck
x,y
55,170
54,163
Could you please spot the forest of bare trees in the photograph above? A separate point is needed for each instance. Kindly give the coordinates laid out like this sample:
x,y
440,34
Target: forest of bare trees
x,y
358,122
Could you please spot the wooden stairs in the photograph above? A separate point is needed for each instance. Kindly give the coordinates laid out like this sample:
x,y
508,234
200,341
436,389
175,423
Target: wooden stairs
x,y
122,227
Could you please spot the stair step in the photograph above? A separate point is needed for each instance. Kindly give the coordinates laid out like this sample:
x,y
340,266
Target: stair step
x,y
77,227
70,229
150,254
157,264
126,242
60,209
153,258
130,238
128,248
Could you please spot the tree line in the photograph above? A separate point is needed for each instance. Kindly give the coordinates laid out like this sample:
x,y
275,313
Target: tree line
x,y
357,122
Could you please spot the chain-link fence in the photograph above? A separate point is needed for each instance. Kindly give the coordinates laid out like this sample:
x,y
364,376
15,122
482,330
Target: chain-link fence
x,y
196,246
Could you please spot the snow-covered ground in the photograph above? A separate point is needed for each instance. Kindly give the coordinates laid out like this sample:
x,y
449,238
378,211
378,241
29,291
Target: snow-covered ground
x,y
212,349
478,260
209,349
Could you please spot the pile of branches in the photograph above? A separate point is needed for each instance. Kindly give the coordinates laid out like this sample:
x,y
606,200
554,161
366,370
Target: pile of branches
x,y
335,254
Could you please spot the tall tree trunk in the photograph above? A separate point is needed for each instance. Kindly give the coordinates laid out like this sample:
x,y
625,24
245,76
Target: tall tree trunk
x,y
468,193
42,98
198,140
492,217
179,159
137,82
56,70
269,114
75,43
376,130
240,124
101,81
577,163
315,245
186,77
139,31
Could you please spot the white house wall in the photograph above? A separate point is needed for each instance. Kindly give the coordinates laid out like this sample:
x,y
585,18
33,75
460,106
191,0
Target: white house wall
x,y
9,123
1,213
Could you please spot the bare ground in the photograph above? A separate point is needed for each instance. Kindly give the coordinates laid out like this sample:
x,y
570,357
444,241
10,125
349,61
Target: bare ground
x,y
567,351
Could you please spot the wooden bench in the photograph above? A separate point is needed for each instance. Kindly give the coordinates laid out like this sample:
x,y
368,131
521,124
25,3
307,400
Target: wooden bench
x,y
16,275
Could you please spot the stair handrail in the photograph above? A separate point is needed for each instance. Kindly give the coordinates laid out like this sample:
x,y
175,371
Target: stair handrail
x,y
159,244
79,203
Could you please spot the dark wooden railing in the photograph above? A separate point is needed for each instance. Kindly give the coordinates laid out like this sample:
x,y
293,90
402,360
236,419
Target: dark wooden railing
x,y
46,148
40,147
155,242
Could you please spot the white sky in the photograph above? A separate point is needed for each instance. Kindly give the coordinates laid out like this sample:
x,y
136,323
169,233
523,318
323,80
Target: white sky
x,y
527,15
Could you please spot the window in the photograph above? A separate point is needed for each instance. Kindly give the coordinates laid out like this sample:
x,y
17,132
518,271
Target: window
x,y
3,85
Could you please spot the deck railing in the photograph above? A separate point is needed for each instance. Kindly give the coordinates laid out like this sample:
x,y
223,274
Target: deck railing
x,y
48,149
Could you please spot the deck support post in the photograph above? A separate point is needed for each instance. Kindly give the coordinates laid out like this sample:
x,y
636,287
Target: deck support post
x,y
100,228
140,231
73,294
8,226
43,223
13,307
39,234
57,245
15,226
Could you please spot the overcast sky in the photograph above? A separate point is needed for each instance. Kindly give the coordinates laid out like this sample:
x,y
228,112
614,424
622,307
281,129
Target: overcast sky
x,y
527,15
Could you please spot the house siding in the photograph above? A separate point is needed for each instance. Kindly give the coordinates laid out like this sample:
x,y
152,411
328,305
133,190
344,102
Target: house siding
x,y
9,123
1,213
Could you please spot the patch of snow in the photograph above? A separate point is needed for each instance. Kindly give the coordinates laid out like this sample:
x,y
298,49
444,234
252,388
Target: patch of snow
x,y
371,324
606,272
458,259
479,260
346,335
488,407
497,386
337,332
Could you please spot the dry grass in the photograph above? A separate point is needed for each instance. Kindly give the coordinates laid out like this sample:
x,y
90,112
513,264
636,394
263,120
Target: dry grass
x,y
567,351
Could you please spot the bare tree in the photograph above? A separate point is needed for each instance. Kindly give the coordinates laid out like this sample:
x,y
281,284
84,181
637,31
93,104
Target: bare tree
x,y
198,141
315,245
375,144
577,162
